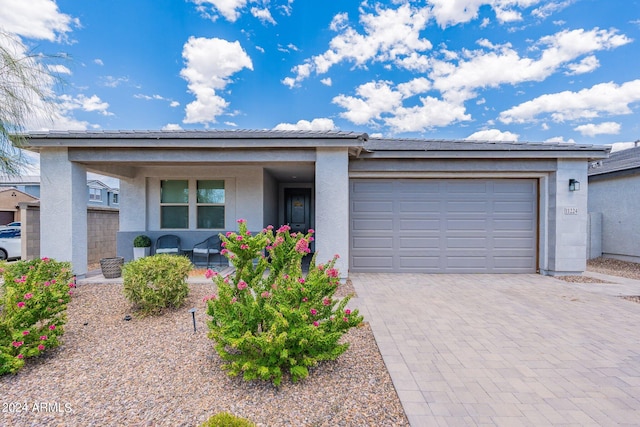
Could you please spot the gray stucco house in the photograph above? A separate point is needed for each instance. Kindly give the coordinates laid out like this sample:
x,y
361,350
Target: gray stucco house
x,y
382,205
614,201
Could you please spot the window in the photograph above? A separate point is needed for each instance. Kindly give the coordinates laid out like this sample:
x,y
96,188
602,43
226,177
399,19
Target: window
x,y
115,198
174,204
177,201
210,204
95,194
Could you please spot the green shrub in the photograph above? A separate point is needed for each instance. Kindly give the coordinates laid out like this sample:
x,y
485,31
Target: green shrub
x,y
141,241
156,282
33,300
225,419
267,317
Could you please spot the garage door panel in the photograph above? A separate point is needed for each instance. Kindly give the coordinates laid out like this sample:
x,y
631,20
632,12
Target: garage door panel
x,y
466,224
372,224
373,242
372,206
444,226
418,224
420,242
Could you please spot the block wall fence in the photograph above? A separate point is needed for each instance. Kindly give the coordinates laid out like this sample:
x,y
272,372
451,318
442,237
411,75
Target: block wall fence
x,y
102,229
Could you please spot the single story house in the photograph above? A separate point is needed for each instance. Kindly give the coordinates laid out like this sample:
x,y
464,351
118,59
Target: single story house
x,y
614,195
9,201
389,205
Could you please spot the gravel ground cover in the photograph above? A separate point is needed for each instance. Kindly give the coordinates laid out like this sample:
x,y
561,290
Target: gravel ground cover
x,y
156,371
614,267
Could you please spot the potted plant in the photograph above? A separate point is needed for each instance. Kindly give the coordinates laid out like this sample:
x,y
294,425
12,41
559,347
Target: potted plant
x,y
141,246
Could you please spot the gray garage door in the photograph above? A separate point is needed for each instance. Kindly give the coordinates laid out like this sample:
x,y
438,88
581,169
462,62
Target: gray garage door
x,y
443,226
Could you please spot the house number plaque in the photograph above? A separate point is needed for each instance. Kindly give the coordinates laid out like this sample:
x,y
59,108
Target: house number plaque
x,y
571,211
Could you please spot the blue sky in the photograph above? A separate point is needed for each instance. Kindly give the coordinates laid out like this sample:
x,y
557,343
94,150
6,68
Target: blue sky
x,y
525,70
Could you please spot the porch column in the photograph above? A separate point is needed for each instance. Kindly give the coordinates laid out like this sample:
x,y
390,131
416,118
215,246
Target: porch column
x,y
332,206
63,209
568,219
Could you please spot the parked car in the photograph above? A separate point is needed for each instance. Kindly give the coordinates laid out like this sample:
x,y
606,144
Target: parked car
x,y
13,224
10,243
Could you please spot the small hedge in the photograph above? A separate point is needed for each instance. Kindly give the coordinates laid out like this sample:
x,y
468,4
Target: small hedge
x,y
33,302
156,282
225,419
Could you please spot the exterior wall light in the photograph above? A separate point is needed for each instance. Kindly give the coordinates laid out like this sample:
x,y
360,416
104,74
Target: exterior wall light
x,y
574,185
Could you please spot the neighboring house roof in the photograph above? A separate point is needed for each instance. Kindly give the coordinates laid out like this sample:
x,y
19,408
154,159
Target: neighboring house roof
x,y
15,190
621,162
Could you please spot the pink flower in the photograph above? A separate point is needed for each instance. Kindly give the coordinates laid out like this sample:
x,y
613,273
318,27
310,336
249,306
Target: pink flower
x,y
210,297
294,234
285,276
43,337
241,221
345,319
53,281
326,301
46,284
283,229
311,231
17,344
224,251
244,246
305,299
332,272
28,296
21,304
25,333
313,311
70,292
242,285
269,227
52,327
316,324
209,273
20,356
274,286
301,280
229,233
40,347
320,267
233,300
302,246
265,294
347,312
45,259
247,233
239,238
336,256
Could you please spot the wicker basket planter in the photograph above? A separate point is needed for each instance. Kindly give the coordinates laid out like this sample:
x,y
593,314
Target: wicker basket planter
x,y
111,267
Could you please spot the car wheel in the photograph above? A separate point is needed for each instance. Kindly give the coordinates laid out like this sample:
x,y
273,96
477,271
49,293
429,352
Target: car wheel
x,y
3,255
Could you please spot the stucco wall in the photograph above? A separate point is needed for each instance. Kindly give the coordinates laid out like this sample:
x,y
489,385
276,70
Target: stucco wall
x,y
618,199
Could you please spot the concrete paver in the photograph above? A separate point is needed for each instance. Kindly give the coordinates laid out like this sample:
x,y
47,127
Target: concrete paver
x,y
507,349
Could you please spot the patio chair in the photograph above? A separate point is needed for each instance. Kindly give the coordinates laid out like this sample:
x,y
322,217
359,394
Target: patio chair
x,y
207,249
168,244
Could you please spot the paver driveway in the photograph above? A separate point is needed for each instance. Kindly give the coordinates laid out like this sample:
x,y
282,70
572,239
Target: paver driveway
x,y
505,349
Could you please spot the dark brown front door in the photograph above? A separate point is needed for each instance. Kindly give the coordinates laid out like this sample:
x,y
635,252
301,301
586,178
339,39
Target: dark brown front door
x,y
298,209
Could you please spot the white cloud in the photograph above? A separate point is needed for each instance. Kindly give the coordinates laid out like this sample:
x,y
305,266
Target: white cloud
x,y
36,19
503,65
390,35
600,100
374,99
560,140
452,12
209,65
81,102
551,7
230,9
263,14
606,128
113,82
98,61
327,81
315,125
59,69
493,135
432,113
618,146
172,126
587,65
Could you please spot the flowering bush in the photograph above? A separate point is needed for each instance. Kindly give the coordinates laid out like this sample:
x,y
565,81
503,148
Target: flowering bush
x,y
156,282
268,318
34,299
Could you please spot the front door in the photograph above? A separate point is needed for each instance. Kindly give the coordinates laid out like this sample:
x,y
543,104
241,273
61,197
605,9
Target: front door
x,y
298,209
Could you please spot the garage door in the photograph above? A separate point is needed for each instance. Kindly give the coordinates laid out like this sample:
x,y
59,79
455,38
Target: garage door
x,y
443,226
